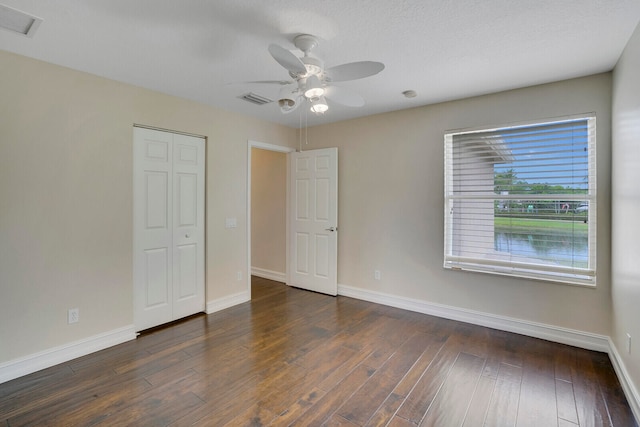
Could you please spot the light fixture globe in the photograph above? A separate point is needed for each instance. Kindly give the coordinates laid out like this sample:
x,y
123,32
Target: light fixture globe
x,y
313,88
319,105
288,99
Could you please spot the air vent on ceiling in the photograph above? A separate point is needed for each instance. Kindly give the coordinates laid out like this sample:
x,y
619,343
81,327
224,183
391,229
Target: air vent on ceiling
x,y
18,22
256,99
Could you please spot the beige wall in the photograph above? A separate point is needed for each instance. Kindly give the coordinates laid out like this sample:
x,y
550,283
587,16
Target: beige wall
x,y
626,207
268,210
66,198
391,205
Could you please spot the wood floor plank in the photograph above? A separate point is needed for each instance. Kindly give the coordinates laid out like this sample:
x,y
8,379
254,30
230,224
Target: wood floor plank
x,y
450,405
297,408
508,372
255,415
390,406
566,401
537,406
58,411
291,357
217,397
326,406
590,405
386,411
479,405
421,396
337,373
503,406
67,392
337,420
564,360
398,421
617,406
48,391
565,423
30,383
361,406
159,406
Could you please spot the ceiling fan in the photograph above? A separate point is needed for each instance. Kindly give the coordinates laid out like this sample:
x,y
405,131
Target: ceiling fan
x,y
312,82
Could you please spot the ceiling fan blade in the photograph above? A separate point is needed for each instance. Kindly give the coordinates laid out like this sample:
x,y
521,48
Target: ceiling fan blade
x,y
262,82
344,96
287,59
354,71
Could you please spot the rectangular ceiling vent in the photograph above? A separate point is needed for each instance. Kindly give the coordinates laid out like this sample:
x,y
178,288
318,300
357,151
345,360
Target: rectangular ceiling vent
x,y
256,99
18,22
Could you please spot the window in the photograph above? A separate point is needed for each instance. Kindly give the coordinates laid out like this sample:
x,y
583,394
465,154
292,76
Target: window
x,y
521,201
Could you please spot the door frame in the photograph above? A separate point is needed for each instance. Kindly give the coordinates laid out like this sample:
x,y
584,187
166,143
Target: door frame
x,y
280,149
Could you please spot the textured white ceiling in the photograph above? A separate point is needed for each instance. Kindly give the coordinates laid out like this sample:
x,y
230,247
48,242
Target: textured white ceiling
x,y
442,49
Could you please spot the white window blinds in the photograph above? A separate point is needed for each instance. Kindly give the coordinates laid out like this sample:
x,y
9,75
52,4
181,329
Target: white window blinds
x,y
521,201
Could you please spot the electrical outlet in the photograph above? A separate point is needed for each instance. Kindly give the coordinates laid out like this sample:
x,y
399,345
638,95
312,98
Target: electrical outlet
x,y
73,315
376,274
628,343
239,275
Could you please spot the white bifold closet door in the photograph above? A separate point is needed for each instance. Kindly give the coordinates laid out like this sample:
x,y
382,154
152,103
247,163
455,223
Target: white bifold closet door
x,y
168,226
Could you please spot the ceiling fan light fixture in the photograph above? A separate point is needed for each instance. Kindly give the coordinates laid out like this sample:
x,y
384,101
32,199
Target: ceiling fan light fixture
x,y
286,105
287,100
313,88
319,105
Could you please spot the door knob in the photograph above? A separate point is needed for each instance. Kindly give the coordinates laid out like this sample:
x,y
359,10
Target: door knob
x,y
187,235
332,229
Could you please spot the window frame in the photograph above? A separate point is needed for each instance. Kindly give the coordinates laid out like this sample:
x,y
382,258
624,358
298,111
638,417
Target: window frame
x,y
577,276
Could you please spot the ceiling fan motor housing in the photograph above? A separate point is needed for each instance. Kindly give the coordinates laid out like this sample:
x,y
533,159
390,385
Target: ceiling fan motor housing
x,y
305,42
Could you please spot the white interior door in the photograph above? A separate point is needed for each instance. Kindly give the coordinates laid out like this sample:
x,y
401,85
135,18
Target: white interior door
x,y
168,227
314,220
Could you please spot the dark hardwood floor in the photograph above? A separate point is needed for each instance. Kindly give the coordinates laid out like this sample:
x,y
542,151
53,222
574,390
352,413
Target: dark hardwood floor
x,y
296,357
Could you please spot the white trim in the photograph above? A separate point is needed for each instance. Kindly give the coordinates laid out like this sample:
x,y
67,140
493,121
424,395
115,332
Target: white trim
x,y
270,147
269,274
64,353
228,301
524,327
630,390
280,149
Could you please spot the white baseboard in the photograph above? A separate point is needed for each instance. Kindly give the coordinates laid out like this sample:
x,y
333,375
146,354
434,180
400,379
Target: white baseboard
x,y
64,353
269,274
228,301
630,390
524,327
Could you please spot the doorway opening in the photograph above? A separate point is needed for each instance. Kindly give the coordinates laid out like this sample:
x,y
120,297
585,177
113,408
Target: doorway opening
x,y
267,212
